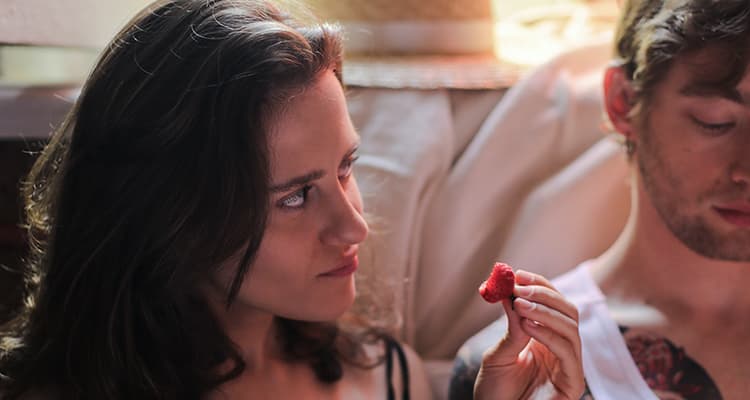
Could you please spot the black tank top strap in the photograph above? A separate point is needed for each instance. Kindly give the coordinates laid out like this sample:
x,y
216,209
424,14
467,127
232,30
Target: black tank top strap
x,y
392,346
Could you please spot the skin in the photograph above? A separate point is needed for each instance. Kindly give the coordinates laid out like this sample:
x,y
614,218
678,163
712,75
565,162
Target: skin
x,y
540,356
314,228
681,267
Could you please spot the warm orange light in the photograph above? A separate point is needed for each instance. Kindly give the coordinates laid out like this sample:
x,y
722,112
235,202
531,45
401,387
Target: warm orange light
x,y
531,32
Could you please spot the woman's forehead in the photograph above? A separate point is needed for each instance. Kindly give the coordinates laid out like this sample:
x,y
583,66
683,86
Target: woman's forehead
x,y
314,123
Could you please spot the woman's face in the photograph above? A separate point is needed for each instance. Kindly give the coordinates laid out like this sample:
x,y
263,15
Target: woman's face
x,y
304,268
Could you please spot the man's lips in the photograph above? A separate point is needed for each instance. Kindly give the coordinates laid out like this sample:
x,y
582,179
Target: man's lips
x,y
346,267
736,214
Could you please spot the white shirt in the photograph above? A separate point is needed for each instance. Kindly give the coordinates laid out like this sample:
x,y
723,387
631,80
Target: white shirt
x,y
608,366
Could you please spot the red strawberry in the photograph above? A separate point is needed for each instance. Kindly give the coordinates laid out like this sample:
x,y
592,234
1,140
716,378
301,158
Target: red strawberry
x,y
500,283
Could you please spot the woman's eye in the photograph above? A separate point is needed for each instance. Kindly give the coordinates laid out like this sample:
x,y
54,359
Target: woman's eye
x,y
714,128
345,170
296,199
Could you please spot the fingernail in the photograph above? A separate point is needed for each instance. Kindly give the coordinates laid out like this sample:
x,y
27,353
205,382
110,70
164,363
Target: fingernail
x,y
524,276
524,291
524,304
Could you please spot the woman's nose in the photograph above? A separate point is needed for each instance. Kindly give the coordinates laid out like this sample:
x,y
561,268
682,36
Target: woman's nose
x,y
346,225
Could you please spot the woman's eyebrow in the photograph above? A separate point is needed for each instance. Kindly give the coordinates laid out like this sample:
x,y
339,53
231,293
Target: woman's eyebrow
x,y
309,177
298,181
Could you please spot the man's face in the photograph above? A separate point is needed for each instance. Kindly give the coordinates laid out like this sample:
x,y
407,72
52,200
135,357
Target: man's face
x,y
694,158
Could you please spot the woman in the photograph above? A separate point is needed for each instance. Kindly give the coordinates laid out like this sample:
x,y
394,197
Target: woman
x,y
195,225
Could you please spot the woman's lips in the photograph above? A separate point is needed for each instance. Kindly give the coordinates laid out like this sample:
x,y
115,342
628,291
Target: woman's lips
x,y
347,268
738,215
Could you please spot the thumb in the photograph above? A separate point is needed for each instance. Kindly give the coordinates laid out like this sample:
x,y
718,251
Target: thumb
x,y
507,350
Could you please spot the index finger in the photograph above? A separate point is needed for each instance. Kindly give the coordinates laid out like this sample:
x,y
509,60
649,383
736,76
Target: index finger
x,y
530,278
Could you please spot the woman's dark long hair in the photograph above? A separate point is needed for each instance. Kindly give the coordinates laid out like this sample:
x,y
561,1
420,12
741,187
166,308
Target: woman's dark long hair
x,y
158,175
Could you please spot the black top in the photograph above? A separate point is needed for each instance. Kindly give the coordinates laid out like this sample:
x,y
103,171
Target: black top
x,y
391,346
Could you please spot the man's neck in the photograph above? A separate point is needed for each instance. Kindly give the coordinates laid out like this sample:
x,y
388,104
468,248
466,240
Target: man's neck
x,y
649,264
657,285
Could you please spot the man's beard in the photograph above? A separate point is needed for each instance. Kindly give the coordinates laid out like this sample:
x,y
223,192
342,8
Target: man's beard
x,y
694,231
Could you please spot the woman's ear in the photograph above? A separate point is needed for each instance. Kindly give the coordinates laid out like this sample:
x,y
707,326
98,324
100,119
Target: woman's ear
x,y
618,100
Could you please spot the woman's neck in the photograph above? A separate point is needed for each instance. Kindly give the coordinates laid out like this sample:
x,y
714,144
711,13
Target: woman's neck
x,y
252,330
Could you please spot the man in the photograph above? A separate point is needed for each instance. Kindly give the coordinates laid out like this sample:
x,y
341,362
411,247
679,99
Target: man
x,y
664,312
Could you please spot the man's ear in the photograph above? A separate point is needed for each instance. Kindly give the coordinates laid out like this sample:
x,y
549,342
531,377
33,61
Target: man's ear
x,y
618,100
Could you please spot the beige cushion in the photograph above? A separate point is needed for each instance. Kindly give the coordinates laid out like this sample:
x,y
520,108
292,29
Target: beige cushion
x,y
464,178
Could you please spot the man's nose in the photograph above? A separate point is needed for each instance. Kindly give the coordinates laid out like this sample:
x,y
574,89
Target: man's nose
x,y
740,170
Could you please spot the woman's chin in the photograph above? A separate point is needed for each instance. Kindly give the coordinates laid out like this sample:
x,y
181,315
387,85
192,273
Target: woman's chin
x,y
339,307
327,309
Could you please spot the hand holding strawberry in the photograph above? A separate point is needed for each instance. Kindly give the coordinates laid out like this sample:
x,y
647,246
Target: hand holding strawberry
x,y
540,356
